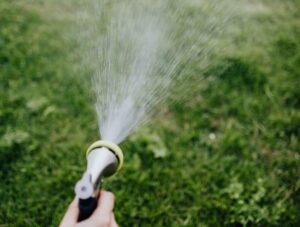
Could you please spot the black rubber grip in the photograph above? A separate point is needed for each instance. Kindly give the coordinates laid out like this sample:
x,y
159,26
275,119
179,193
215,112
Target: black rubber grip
x,y
86,207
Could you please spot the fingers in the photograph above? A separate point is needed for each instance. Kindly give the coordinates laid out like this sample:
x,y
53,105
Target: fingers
x,y
105,204
103,213
71,216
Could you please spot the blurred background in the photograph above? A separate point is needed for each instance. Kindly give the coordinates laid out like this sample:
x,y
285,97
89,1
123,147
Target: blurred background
x,y
224,154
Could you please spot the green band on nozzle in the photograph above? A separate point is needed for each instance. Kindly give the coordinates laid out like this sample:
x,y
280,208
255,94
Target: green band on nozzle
x,y
111,146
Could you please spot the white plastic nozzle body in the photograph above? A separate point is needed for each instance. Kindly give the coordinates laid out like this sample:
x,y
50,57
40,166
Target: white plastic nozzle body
x,y
101,162
104,159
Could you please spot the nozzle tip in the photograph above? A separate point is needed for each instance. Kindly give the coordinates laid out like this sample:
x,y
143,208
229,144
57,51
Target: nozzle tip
x,y
111,146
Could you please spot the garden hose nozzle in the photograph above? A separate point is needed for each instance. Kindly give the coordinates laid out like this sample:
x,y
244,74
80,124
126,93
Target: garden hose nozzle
x,y
104,159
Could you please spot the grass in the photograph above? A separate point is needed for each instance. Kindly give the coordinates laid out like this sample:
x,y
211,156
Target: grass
x,y
229,156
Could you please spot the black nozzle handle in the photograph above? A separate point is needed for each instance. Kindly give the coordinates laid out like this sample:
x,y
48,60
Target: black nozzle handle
x,y
86,207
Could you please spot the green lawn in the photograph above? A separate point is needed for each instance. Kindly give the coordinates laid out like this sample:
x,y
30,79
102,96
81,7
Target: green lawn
x,y
228,156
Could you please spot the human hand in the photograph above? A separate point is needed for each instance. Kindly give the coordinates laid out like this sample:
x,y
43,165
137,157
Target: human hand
x,y
103,215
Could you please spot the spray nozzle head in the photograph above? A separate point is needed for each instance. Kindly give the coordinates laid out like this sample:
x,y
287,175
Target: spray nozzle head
x,y
114,148
104,159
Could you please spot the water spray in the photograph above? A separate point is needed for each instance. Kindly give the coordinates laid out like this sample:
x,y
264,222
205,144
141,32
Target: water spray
x,y
104,159
133,59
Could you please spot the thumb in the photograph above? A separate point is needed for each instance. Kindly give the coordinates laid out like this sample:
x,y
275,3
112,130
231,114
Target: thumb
x,y
71,216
